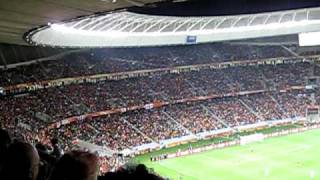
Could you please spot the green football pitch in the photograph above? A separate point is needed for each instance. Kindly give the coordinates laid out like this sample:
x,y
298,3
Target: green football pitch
x,y
295,156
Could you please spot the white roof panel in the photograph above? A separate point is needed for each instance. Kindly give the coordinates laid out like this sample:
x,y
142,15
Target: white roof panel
x,y
120,29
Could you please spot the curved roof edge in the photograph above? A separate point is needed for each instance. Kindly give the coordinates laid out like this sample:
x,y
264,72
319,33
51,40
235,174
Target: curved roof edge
x,y
127,29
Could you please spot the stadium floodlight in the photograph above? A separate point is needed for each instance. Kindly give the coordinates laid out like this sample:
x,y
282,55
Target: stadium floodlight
x,y
140,31
70,30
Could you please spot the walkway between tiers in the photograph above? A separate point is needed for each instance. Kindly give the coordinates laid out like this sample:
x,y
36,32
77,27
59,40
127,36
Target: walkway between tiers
x,y
278,105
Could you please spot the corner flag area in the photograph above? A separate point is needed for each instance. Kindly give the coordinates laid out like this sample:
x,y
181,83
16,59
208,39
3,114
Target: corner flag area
x,y
291,157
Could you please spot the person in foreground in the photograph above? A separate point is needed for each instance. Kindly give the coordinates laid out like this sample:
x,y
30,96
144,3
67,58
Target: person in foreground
x,y
23,161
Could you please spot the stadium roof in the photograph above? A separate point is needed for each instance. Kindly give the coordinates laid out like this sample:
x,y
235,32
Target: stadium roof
x,y
123,28
19,16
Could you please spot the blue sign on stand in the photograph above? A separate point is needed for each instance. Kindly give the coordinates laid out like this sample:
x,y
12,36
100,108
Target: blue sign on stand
x,y
191,40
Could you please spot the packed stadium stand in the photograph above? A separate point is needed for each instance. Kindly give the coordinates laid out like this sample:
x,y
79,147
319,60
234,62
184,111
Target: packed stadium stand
x,y
215,89
88,113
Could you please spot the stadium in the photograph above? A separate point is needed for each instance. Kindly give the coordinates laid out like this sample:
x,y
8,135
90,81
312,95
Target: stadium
x,y
154,89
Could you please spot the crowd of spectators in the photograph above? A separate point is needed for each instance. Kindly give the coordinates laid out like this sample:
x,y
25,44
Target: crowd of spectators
x,y
140,127
109,131
77,99
28,115
101,61
194,117
295,103
265,106
155,124
232,112
31,113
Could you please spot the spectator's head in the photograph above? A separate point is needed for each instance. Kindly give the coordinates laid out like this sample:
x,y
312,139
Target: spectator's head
x,y
54,141
131,172
141,169
76,165
141,172
41,147
5,141
21,162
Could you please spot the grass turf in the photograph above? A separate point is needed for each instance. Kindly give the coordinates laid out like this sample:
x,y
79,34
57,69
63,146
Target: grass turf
x,y
291,157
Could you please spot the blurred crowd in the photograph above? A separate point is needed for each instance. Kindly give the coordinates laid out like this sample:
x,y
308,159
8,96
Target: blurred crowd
x,y
101,61
77,99
27,116
131,129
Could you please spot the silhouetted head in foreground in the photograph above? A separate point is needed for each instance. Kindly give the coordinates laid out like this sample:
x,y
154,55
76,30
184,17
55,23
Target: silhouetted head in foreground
x,y
5,141
20,163
76,165
131,172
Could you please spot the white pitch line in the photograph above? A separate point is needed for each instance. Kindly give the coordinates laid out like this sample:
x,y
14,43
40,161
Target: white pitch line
x,y
174,169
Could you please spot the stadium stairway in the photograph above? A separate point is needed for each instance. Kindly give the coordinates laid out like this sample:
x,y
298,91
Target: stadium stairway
x,y
269,83
290,51
175,121
251,110
195,89
215,117
278,105
135,128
